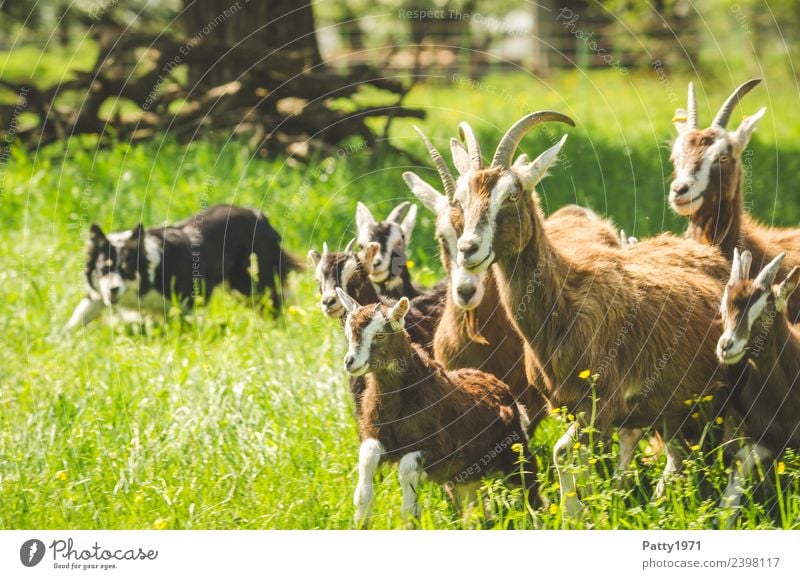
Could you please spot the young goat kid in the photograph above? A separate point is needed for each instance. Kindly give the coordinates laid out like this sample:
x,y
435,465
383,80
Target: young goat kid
x,y
762,351
644,317
708,188
350,271
455,426
390,265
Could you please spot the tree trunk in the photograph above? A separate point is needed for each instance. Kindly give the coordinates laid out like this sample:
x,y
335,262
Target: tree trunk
x,y
230,32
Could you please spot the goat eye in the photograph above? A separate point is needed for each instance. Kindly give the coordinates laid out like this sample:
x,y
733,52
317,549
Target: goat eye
x,y
723,158
513,197
380,336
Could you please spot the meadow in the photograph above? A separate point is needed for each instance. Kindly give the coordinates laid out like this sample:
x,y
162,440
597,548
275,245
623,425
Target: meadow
x,y
227,419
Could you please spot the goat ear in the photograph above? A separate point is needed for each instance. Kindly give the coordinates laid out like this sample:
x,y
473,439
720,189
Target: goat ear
x,y
408,223
535,171
398,313
741,136
364,217
740,268
394,216
767,275
313,258
368,254
785,289
679,121
429,196
460,156
349,303
96,235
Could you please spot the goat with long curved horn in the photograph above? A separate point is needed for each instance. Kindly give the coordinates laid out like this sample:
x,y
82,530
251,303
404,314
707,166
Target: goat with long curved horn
x,y
467,135
448,181
724,114
511,140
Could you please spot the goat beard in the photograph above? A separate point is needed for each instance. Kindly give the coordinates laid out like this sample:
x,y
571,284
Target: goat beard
x,y
473,331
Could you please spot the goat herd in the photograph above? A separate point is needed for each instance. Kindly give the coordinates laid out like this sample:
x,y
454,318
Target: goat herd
x,y
562,312
535,313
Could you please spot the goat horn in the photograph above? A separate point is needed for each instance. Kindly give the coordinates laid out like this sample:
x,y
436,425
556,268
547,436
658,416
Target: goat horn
x,y
350,245
691,108
441,167
466,134
724,114
511,140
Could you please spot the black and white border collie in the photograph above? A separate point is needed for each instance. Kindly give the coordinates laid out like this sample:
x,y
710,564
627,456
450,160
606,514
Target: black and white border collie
x,y
144,269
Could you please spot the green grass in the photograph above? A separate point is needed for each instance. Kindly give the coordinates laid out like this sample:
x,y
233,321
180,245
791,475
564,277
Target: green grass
x,y
226,419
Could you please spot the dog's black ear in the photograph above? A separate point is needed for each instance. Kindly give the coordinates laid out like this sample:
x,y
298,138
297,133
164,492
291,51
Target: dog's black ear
x,y
137,232
96,236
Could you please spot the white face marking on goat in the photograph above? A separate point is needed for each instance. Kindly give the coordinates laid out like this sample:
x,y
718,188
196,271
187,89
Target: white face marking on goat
x,y
738,324
467,289
693,156
489,192
393,236
745,302
359,343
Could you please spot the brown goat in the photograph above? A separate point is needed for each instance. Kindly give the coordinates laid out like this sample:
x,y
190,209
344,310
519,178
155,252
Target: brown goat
x,y
762,351
390,273
708,188
455,426
350,270
475,331
655,301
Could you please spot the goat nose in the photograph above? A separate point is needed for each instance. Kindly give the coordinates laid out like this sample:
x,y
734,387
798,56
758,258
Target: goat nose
x,y
725,344
468,246
465,292
377,262
328,301
680,188
348,360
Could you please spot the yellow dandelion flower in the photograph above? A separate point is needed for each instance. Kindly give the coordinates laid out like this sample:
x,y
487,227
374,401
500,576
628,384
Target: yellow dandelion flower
x,y
62,475
576,446
160,524
516,447
695,415
410,264
694,447
781,467
679,119
553,509
571,417
719,420
707,398
585,374
688,402
138,498
592,460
